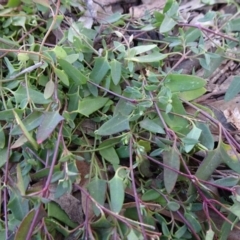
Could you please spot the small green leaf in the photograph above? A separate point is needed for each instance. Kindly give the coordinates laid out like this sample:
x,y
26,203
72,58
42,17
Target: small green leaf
x,y
192,34
20,182
2,137
193,222
180,232
116,71
45,3
234,25
62,76
32,121
165,230
153,57
60,52
233,89
25,131
97,189
116,124
100,69
72,72
142,49
183,82
55,211
49,89
170,159
173,206
49,122
13,3
209,164
23,229
18,206
36,97
116,187
193,137
150,195
193,94
90,105
227,226
110,155
230,181
4,156
112,18
209,235
206,138
151,126
167,25
8,115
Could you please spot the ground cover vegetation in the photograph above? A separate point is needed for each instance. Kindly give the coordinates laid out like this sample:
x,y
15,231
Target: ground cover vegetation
x,y
102,135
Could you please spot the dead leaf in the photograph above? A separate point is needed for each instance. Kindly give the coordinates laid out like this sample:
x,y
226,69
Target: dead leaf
x,y
233,116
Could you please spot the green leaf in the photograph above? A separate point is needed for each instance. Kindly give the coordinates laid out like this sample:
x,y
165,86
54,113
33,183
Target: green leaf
x,y
116,71
90,105
72,72
116,187
110,155
170,159
100,69
209,235
123,107
206,138
229,157
209,164
230,181
25,131
2,137
233,89
150,195
109,142
13,3
4,156
235,209
32,121
112,18
97,189
62,76
23,229
153,57
173,206
59,52
142,49
18,206
227,227
234,25
8,115
192,34
55,211
36,97
194,135
49,122
193,94
165,230
151,126
167,25
20,181
180,232
116,124
183,82
45,3
193,222
49,89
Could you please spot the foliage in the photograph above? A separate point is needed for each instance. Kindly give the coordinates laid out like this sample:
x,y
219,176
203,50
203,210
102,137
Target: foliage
x,y
108,119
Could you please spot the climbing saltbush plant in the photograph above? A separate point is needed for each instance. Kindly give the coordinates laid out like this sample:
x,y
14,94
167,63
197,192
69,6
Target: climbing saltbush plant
x,y
96,141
